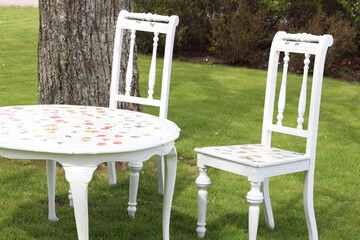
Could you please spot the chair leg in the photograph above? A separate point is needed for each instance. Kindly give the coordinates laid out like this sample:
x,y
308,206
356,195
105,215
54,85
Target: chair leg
x,y
51,180
255,198
134,167
71,202
203,182
309,205
268,213
160,173
112,173
170,177
79,178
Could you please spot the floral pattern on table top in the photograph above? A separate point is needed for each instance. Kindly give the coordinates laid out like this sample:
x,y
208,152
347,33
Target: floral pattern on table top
x,y
65,126
255,153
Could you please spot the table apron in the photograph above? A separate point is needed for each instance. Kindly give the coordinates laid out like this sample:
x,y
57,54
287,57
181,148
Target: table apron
x,y
90,159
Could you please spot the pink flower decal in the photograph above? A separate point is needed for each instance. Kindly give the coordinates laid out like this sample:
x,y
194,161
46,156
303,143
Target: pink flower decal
x,y
101,135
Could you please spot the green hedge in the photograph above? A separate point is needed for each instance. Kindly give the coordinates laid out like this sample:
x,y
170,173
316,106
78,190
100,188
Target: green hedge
x,y
241,31
194,26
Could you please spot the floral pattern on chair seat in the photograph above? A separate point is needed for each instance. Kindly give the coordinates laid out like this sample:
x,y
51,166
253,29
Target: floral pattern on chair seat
x,y
253,154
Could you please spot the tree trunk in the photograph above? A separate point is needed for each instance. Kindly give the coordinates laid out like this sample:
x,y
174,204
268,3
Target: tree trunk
x,y
75,52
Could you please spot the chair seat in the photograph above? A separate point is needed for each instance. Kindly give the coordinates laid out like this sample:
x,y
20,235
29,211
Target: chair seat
x,y
255,155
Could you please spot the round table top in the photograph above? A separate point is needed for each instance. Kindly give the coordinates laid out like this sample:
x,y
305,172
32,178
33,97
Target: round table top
x,y
68,129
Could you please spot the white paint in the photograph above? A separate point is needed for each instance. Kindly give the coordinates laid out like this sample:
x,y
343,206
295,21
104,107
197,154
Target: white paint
x,y
302,99
259,162
152,73
282,95
149,23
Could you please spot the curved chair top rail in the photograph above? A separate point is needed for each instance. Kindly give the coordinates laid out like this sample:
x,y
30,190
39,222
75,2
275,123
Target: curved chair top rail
x,y
148,22
304,37
301,42
147,17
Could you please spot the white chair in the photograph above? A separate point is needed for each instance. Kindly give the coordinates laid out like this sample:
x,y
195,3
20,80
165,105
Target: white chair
x,y
258,162
133,22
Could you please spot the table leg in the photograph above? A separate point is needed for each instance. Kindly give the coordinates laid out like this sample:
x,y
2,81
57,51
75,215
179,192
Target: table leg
x,y
79,178
160,174
112,173
170,176
134,167
51,178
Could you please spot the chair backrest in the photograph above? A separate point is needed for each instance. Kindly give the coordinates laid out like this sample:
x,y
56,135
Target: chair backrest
x,y
305,44
147,23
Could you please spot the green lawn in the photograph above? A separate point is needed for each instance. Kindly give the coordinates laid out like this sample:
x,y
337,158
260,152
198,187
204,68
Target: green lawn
x,y
213,105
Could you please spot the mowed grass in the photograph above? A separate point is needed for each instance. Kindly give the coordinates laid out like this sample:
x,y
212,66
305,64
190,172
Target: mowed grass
x,y
213,105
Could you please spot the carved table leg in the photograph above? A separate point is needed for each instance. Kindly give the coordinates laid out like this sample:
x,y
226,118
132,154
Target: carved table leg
x,y
51,179
134,167
170,176
160,173
79,178
255,198
203,182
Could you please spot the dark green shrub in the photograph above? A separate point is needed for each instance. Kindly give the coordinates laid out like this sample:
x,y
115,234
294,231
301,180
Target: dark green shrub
x,y
194,27
343,54
241,31
352,10
301,11
237,32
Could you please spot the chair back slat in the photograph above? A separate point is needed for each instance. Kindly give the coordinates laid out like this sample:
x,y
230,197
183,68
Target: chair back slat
x,y
302,99
288,130
138,100
129,69
152,73
156,24
282,95
307,45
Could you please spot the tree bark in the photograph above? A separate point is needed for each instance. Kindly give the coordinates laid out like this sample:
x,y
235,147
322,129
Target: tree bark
x,y
75,50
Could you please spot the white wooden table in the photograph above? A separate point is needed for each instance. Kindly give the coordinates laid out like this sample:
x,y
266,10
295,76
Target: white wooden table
x,y
81,137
